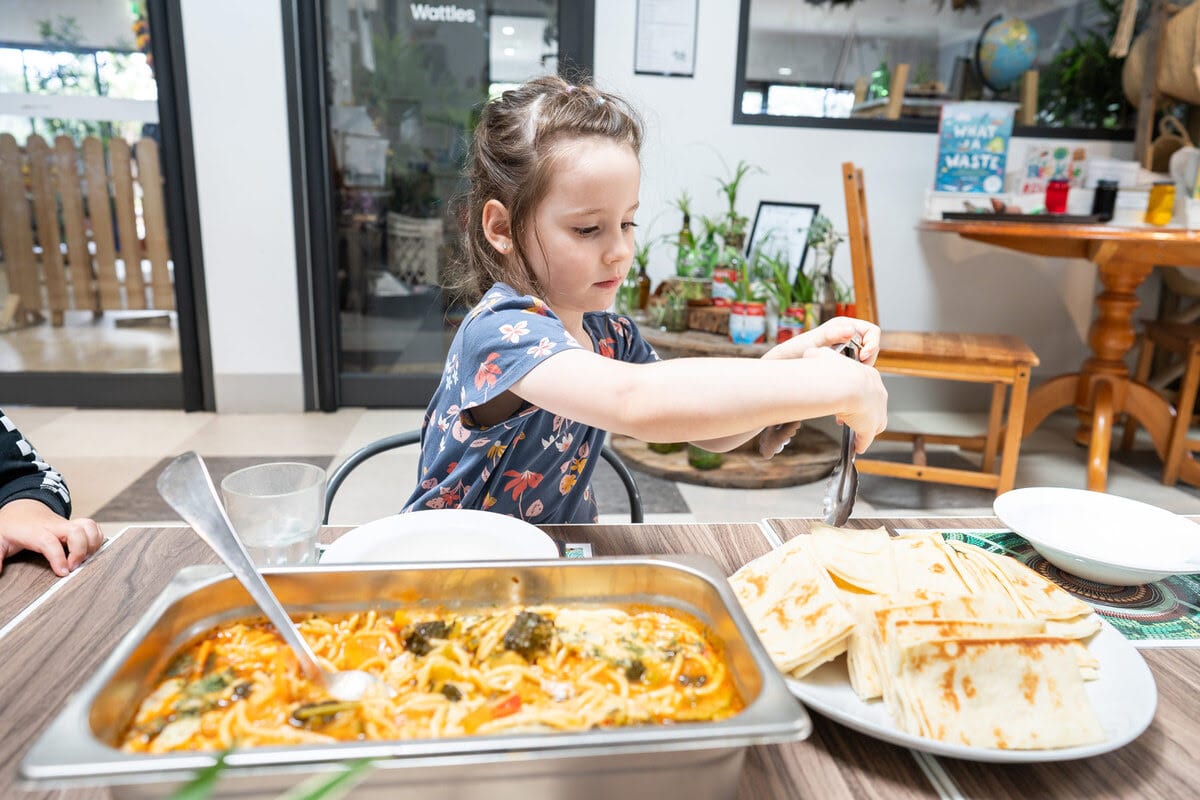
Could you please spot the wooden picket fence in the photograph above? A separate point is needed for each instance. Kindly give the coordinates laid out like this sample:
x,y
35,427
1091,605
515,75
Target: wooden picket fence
x,y
69,232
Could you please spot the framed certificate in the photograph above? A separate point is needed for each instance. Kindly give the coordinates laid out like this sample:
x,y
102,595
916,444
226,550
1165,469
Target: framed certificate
x,y
665,38
782,228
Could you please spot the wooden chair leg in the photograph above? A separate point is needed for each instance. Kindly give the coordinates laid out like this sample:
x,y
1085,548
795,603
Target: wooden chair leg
x,y
995,422
1176,445
1012,434
1141,375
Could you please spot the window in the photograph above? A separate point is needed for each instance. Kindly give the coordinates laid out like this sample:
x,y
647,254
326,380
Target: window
x,y
823,63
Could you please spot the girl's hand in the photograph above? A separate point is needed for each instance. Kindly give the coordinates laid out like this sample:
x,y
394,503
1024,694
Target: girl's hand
x,y
867,412
27,524
830,333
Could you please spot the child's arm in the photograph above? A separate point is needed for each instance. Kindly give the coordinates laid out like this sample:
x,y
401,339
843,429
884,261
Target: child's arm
x,y
707,399
833,332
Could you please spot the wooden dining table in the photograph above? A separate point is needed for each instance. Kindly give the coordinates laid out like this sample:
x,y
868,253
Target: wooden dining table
x,y
55,633
1102,389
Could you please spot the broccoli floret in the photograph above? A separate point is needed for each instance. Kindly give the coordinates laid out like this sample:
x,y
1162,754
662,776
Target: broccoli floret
x,y
530,635
416,640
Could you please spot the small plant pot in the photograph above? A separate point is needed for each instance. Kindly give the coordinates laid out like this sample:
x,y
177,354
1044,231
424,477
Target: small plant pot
x,y
699,458
723,281
748,322
812,316
697,291
791,323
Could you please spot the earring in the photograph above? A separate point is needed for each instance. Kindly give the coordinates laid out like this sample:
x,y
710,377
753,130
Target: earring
x,y
504,246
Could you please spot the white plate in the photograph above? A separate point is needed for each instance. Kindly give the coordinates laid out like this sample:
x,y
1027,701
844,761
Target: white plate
x,y
441,535
1102,537
1124,698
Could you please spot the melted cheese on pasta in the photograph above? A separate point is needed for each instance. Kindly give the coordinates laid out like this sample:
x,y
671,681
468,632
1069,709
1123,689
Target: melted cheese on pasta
x,y
444,673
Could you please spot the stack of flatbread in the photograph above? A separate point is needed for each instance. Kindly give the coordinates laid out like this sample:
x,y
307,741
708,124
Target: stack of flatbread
x,y
962,645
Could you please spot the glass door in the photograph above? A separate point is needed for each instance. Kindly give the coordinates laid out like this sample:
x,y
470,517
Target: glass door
x,y
403,83
88,310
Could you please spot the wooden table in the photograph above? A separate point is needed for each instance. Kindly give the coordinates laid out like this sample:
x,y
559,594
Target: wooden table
x,y
1102,389
67,632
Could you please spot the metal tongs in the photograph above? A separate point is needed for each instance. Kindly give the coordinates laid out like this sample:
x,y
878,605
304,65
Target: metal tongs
x,y
843,483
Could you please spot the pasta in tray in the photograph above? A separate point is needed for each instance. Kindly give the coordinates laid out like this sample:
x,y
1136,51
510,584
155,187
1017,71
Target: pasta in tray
x,y
445,673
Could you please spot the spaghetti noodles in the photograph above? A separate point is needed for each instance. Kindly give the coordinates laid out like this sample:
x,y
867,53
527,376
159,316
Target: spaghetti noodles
x,y
444,673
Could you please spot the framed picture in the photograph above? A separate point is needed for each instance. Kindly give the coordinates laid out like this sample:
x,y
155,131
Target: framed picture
x,y
782,227
665,38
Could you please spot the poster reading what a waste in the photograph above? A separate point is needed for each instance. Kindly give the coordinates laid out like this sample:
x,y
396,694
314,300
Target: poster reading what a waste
x,y
973,146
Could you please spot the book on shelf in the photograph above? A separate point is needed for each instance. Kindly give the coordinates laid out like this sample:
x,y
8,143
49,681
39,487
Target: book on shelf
x,y
1044,162
973,146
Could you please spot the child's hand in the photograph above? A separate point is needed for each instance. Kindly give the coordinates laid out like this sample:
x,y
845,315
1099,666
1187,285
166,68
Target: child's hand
x,y
31,525
830,333
867,413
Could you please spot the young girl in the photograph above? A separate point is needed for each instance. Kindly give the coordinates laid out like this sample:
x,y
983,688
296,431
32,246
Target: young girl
x,y
539,371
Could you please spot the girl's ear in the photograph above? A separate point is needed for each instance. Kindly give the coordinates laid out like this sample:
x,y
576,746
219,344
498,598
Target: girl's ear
x,y
497,226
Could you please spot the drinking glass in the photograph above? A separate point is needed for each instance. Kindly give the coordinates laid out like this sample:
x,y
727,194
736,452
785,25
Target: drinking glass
x,y
276,509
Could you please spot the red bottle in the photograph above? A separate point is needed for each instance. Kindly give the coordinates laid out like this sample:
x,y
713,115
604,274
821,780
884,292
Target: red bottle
x,y
1056,196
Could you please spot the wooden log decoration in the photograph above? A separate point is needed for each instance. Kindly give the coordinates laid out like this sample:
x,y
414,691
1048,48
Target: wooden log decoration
x,y
129,247
710,319
79,261
16,235
154,218
100,214
45,209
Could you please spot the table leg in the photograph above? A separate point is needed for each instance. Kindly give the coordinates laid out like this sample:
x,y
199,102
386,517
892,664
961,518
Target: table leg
x,y
1101,435
1112,334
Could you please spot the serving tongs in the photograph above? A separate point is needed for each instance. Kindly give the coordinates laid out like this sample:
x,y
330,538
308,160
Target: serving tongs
x,y
843,483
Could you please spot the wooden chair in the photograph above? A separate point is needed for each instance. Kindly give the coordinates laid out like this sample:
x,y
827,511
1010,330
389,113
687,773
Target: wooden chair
x,y
1002,361
1170,351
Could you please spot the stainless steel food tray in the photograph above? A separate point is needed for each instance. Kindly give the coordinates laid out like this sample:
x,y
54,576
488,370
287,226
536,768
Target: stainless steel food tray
x,y
690,760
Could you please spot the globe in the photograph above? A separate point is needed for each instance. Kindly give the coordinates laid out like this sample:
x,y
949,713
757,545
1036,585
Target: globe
x,y
1007,47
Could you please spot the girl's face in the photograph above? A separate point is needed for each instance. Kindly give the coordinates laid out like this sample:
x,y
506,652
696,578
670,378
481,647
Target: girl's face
x,y
581,243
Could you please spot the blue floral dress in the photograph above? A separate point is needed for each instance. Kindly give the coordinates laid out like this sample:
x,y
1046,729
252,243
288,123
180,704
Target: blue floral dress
x,y
533,465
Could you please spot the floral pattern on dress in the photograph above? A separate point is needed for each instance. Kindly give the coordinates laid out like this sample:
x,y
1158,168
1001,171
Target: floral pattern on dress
x,y
508,467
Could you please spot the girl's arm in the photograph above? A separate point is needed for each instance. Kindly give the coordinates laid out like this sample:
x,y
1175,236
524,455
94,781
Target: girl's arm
x,y
830,333
707,399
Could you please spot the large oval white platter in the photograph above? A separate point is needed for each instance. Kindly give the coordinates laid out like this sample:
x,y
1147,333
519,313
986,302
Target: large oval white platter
x,y
1124,698
441,535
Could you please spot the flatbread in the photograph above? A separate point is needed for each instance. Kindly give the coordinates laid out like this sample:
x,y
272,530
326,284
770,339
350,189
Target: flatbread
x,y
793,606
925,565
861,560
1013,694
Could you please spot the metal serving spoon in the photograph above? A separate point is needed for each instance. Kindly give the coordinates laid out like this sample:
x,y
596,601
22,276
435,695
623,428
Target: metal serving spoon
x,y
187,486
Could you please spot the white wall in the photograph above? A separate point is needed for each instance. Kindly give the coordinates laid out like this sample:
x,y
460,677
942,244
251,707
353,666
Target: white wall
x,y
924,281
243,174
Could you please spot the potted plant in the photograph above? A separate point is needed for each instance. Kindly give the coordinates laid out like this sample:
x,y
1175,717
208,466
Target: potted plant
x,y
789,308
733,229
641,257
824,241
670,313
844,293
686,241
748,312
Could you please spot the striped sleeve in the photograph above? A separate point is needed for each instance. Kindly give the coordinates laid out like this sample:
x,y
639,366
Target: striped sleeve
x,y
24,474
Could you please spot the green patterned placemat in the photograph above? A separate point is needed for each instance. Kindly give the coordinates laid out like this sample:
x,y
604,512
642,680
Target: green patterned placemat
x,y
1162,614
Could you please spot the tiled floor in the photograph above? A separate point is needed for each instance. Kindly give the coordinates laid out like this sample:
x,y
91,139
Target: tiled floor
x,y
110,458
